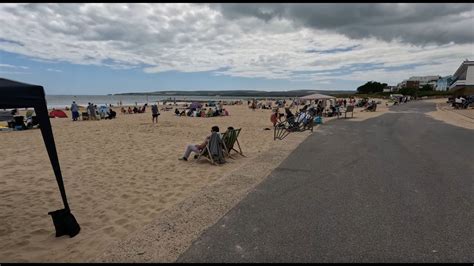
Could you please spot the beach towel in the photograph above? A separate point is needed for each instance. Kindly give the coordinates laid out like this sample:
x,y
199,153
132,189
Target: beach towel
x,y
216,148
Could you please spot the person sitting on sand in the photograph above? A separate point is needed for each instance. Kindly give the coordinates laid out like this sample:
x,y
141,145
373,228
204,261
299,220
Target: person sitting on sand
x,y
274,118
176,111
130,110
111,114
209,112
197,148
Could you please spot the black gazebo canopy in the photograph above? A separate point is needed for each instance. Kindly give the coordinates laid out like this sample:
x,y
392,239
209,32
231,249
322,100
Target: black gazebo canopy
x,y
15,94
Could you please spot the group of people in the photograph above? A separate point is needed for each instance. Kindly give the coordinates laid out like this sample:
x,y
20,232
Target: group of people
x,y
17,121
401,99
254,104
134,110
371,106
303,117
202,112
315,109
93,113
462,103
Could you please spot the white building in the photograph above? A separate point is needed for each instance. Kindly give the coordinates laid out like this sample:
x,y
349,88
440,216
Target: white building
x,y
420,80
463,79
423,80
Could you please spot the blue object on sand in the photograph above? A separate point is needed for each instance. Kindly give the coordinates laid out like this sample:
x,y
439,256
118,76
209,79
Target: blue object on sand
x,y
318,120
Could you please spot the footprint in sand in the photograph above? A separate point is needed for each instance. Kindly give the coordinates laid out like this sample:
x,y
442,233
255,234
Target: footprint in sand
x,y
129,227
40,232
120,221
22,243
109,230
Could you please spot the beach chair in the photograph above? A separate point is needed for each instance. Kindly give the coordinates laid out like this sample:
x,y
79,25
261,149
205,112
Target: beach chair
x,y
280,131
230,138
85,116
214,151
349,109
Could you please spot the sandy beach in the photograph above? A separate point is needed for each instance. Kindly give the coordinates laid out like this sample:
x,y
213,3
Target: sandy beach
x,y
456,117
121,175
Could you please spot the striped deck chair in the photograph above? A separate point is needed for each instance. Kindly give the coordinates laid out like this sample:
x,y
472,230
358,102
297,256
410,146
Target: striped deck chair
x,y
230,138
214,151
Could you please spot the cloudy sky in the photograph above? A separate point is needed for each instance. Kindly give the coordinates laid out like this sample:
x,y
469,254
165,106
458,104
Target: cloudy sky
x,y
109,48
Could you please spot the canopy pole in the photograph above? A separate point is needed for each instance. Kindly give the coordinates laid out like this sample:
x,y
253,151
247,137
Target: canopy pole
x,y
48,138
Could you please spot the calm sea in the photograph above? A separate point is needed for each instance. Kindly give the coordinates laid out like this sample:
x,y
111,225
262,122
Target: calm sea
x,y
61,101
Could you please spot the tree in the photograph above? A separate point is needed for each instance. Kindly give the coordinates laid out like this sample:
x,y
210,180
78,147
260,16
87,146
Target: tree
x,y
371,87
426,87
408,91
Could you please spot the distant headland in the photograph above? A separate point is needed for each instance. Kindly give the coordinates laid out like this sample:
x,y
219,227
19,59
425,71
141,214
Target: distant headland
x,y
240,93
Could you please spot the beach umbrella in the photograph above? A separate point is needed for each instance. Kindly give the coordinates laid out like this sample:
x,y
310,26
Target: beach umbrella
x,y
103,109
15,94
195,105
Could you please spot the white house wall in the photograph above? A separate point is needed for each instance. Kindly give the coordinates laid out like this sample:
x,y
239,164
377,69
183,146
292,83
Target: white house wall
x,y
470,75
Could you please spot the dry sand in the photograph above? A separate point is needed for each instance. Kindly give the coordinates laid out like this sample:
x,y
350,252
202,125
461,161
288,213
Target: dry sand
x,y
122,177
457,117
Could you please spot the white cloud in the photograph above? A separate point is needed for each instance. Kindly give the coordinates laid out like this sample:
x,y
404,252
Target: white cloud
x,y
12,66
53,70
196,37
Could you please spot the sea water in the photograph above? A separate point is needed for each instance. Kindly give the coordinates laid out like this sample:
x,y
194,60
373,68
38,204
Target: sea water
x,y
61,101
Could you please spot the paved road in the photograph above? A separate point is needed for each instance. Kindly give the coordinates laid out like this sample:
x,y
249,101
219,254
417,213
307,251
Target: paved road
x,y
395,188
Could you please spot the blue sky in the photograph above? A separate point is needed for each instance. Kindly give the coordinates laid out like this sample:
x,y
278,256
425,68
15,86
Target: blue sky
x,y
106,48
68,79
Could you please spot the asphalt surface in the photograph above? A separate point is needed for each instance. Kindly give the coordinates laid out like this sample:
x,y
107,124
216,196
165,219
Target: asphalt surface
x,y
394,188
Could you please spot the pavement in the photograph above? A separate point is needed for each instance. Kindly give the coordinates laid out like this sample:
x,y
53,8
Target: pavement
x,y
394,188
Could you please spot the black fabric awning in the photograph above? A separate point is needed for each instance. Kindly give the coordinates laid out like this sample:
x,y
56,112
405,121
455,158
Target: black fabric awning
x,y
15,94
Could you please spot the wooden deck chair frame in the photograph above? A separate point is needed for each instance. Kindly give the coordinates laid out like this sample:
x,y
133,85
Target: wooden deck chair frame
x,y
230,138
280,131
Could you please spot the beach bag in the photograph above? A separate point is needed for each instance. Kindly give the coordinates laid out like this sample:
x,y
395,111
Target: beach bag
x,y
318,120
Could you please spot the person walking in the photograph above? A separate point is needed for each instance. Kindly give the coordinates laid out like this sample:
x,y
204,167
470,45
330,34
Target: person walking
x,y
155,113
74,111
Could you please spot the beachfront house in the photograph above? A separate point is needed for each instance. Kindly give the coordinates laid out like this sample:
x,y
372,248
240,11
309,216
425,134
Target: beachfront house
x,y
443,83
419,82
463,79
390,89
